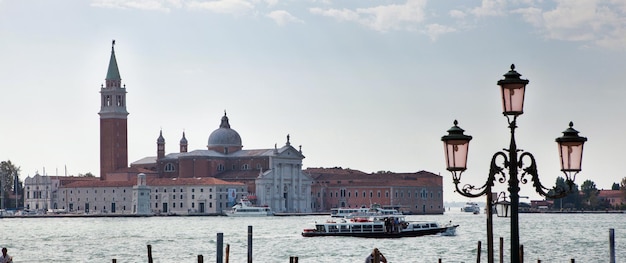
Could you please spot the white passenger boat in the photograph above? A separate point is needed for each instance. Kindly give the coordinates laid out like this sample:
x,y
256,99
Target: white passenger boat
x,y
378,227
245,208
471,207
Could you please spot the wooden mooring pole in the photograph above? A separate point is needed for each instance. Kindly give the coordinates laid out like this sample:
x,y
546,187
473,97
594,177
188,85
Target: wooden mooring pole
x,y
200,259
521,253
249,244
478,252
612,245
220,247
227,252
149,253
501,250
293,259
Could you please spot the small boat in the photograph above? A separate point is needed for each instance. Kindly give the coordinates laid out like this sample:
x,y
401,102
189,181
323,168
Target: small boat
x,y
245,208
393,226
471,207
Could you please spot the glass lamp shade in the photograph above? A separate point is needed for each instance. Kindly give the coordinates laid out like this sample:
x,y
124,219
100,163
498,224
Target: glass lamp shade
x,y
503,208
512,89
456,145
571,149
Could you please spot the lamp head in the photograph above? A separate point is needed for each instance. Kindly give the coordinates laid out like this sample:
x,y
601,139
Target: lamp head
x,y
512,89
456,145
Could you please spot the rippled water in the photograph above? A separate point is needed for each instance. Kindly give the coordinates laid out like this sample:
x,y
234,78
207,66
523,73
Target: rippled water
x,y
548,237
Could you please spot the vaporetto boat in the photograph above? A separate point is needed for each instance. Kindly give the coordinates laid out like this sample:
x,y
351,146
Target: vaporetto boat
x,y
245,208
379,227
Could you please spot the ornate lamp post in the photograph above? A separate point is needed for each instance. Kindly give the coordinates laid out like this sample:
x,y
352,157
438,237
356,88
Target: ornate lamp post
x,y
456,145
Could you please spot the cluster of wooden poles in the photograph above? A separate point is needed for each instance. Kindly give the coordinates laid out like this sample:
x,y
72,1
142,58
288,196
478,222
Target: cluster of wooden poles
x,y
220,258
521,250
220,248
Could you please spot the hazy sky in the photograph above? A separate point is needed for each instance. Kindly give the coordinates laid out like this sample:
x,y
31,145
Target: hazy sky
x,y
366,85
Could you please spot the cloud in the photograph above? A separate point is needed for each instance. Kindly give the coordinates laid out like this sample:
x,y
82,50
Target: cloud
x,y
601,22
271,2
457,14
380,18
490,8
282,17
435,30
234,7
150,5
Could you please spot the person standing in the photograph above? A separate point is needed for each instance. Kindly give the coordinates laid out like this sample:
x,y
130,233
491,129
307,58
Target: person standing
x,y
5,258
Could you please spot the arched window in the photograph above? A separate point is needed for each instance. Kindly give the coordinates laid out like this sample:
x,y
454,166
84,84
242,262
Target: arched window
x,y
169,167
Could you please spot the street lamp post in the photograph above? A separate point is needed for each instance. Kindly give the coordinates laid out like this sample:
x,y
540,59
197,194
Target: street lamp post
x,y
456,146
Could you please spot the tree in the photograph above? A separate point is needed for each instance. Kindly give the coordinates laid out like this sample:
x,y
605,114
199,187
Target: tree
x,y
571,200
615,186
9,176
590,193
88,174
622,187
589,188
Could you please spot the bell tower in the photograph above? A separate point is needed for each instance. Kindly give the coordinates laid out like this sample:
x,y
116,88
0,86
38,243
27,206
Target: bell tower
x,y
113,121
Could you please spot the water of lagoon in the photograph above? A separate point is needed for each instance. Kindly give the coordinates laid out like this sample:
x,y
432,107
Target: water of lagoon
x,y
545,237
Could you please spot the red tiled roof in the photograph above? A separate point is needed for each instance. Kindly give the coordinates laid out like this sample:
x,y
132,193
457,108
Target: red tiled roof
x,y
238,175
189,181
611,194
340,176
152,182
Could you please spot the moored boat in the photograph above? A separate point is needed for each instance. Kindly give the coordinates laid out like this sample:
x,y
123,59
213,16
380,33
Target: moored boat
x,y
245,208
378,227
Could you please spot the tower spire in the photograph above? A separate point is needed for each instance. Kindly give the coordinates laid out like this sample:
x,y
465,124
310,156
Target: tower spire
x,y
113,78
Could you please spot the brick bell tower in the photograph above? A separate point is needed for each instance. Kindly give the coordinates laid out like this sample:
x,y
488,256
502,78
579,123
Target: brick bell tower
x,y
113,121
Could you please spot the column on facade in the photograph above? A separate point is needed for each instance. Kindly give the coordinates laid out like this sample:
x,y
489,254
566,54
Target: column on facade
x,y
292,196
281,187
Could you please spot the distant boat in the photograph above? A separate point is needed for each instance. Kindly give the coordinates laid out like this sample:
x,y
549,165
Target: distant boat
x,y
471,207
245,208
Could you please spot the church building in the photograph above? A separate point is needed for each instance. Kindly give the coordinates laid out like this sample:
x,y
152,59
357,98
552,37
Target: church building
x,y
211,180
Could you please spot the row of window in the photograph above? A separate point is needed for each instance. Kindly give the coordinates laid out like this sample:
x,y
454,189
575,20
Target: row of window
x,y
182,197
342,193
95,199
182,205
95,191
170,167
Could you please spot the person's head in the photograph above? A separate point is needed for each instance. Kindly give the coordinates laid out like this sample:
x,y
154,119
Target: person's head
x,y
4,251
375,251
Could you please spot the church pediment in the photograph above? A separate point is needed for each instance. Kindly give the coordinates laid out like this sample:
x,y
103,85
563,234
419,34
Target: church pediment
x,y
289,152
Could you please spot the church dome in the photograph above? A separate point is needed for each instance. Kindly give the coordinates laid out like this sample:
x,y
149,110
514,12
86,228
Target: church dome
x,y
224,136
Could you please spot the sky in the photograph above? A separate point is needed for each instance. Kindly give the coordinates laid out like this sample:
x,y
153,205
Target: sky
x,y
366,85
